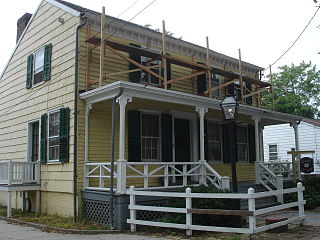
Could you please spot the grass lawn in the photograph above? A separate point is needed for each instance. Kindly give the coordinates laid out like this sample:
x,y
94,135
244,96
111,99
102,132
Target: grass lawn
x,y
55,221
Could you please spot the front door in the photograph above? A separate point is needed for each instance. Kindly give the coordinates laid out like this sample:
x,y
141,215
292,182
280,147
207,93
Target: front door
x,y
182,140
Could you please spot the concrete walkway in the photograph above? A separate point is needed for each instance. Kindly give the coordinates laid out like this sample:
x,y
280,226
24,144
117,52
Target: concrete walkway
x,y
17,232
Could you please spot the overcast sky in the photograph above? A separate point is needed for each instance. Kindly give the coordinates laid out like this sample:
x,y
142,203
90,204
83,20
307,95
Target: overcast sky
x,y
262,29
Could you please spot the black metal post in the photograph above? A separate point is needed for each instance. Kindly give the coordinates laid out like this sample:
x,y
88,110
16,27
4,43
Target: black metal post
x,y
233,154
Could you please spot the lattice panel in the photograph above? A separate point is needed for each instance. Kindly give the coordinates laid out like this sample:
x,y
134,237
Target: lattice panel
x,y
150,215
98,212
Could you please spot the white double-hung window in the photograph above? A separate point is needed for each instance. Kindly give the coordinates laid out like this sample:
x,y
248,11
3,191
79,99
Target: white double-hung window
x,y
53,136
150,136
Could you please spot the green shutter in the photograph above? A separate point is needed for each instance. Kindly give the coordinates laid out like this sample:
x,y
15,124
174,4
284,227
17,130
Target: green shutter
x,y
64,135
29,71
43,138
252,144
47,62
231,90
168,74
134,136
166,138
225,143
134,76
249,99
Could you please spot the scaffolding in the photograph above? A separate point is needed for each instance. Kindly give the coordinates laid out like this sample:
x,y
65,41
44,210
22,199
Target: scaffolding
x,y
196,68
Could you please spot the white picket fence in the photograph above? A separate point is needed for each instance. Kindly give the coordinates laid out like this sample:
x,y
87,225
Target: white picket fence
x,y
170,174
252,212
12,172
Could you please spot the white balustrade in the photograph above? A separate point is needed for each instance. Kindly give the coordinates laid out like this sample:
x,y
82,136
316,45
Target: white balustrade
x,y
168,175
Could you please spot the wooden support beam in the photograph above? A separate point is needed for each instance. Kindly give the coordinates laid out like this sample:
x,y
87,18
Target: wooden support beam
x,y
186,76
134,62
208,71
102,46
221,86
256,92
164,53
240,77
92,82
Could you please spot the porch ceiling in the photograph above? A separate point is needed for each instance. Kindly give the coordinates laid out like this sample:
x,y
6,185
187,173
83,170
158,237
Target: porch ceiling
x,y
109,91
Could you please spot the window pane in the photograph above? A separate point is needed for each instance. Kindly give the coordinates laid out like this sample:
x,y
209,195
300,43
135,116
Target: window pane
x,y
147,77
54,124
214,141
39,61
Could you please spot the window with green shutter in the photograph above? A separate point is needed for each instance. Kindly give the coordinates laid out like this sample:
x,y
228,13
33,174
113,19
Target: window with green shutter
x,y
54,142
39,66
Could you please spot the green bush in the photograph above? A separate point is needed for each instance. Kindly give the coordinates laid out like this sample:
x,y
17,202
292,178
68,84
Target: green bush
x,y
201,203
311,193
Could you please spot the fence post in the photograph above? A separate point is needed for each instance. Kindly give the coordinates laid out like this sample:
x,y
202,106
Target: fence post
x,y
258,172
280,188
188,215
225,183
300,201
10,172
252,208
133,226
101,179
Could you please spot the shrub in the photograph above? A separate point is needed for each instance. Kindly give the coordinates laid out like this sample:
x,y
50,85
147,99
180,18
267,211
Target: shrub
x,y
201,203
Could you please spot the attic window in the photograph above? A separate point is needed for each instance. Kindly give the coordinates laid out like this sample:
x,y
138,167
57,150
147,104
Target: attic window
x,y
39,66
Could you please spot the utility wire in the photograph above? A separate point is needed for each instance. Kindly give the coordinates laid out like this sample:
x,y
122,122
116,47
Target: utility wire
x,y
295,40
43,85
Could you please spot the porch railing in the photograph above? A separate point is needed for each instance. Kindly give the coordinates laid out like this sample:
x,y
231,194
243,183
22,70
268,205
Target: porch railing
x,y
282,168
152,175
19,172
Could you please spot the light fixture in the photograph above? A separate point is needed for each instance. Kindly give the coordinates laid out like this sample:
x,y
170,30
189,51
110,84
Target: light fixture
x,y
229,108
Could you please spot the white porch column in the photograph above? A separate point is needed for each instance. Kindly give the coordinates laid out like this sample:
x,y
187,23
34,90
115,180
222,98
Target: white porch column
x,y
296,140
121,163
86,145
202,111
256,120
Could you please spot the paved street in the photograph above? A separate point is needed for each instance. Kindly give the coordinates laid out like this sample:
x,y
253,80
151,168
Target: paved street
x,y
17,232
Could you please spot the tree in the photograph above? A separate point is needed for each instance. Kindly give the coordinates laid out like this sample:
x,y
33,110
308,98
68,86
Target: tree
x,y
296,90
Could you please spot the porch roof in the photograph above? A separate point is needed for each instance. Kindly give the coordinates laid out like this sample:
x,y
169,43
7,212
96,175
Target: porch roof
x,y
109,91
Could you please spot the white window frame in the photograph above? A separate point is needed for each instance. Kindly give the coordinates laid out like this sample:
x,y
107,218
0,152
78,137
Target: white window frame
x,y
156,113
277,152
216,121
42,49
48,137
149,76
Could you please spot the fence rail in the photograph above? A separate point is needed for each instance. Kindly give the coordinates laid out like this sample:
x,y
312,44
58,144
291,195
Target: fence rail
x,y
19,172
252,213
168,174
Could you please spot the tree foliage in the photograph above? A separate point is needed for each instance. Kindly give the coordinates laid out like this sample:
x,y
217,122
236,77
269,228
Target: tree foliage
x,y
296,90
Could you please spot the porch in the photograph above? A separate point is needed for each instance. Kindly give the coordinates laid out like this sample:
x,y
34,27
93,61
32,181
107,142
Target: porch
x,y
22,177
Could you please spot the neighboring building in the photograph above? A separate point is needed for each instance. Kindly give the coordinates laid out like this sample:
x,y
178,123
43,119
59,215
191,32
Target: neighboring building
x,y
279,139
57,93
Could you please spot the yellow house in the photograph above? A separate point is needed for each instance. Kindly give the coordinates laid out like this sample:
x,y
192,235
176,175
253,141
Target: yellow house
x,y
87,113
